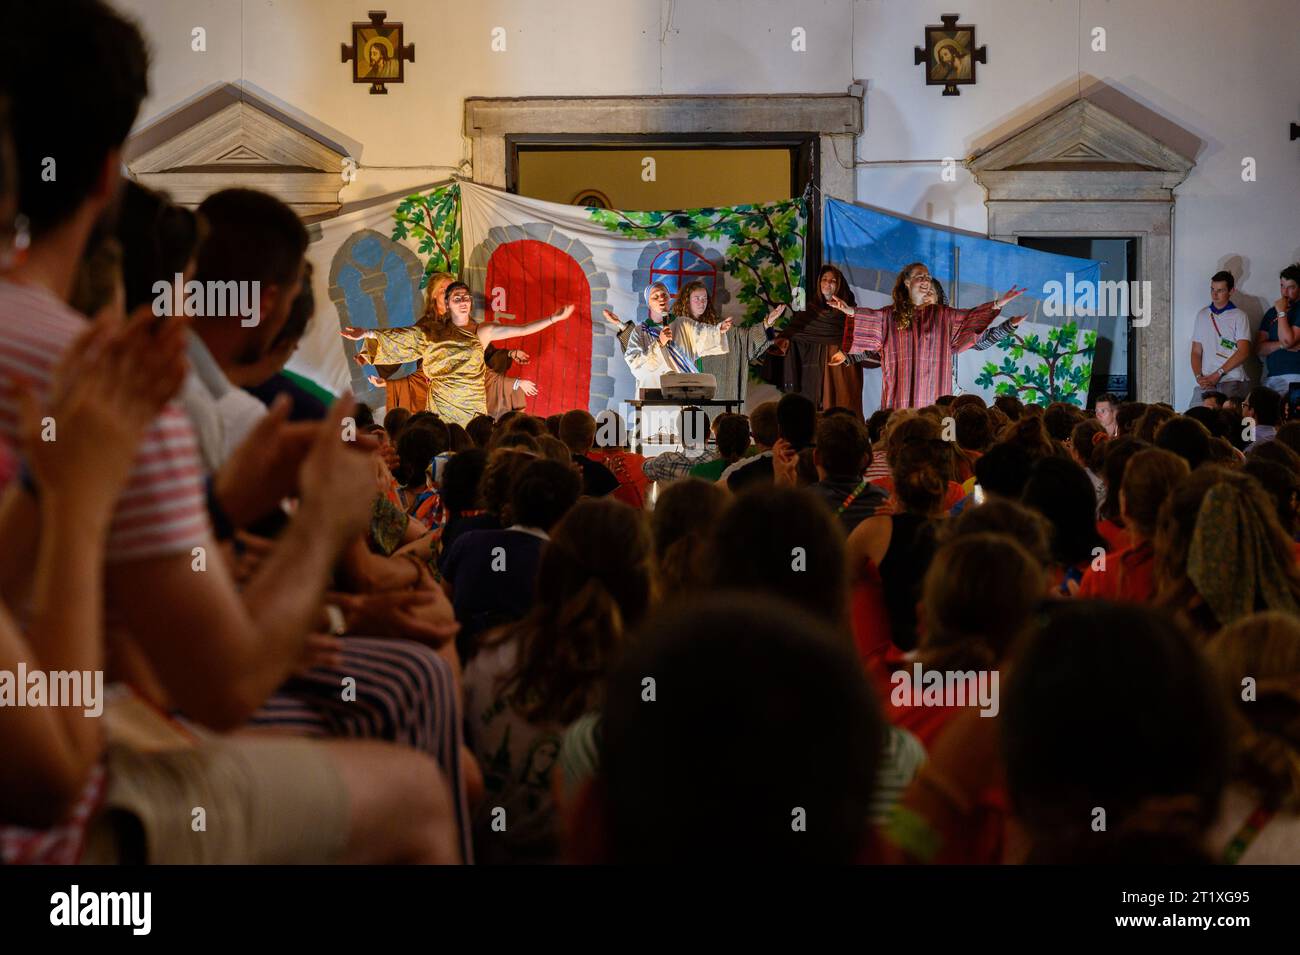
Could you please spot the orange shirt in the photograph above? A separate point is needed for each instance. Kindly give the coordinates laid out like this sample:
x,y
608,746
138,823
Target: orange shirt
x,y
626,466
1129,576
1116,537
950,500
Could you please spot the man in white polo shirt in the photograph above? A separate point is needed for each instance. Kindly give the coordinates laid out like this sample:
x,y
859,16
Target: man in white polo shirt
x,y
1220,343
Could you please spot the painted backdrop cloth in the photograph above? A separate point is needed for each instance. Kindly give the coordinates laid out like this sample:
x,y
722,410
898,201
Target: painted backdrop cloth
x,y
374,263
1048,357
525,258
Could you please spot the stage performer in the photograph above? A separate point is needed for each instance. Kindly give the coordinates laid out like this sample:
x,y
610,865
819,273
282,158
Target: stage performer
x,y
916,341
390,348
812,337
503,392
698,330
651,348
992,335
625,329
452,352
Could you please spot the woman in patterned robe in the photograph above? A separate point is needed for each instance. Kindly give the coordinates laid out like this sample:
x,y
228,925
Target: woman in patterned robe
x,y
916,340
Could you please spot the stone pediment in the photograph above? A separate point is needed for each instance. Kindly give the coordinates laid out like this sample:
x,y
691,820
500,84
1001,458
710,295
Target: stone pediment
x,y
1081,151
231,138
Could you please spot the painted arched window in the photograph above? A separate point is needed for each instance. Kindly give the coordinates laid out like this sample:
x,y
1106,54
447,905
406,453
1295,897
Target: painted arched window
x,y
677,267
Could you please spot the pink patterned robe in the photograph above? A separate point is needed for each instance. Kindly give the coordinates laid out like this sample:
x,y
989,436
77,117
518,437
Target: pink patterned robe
x,y
917,360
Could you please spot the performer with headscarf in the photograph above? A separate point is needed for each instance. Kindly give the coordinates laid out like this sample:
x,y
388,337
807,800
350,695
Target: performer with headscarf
x,y
651,348
916,340
812,337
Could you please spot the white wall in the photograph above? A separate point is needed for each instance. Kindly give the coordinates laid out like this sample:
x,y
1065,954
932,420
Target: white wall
x,y
1211,78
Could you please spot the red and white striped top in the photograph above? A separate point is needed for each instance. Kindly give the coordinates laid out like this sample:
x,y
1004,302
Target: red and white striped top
x,y
162,510
916,361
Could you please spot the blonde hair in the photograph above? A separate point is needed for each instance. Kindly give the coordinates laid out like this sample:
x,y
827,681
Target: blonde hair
x,y
431,310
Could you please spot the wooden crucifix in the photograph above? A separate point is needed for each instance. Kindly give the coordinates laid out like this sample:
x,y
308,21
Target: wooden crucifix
x,y
377,53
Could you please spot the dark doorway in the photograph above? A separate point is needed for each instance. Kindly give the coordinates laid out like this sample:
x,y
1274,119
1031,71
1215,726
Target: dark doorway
x,y
569,168
1114,365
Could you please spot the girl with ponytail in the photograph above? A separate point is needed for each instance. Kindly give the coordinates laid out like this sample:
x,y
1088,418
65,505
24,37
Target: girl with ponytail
x,y
896,548
533,678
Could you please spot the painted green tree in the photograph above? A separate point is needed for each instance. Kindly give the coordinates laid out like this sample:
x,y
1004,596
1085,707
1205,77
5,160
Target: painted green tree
x,y
1059,367
432,220
764,244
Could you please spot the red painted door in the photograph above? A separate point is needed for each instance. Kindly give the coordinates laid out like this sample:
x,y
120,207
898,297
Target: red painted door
x,y
537,279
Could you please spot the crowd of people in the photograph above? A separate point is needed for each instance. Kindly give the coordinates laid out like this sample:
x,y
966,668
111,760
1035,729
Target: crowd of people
x,y
955,633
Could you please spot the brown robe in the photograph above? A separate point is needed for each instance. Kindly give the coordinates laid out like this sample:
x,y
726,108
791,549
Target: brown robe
x,y
813,336
501,394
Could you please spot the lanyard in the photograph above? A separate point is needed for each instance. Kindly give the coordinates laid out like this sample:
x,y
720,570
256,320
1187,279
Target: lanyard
x,y
1256,821
853,496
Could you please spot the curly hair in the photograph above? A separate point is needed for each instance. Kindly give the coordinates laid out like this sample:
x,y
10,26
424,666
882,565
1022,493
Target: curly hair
x,y
682,304
903,307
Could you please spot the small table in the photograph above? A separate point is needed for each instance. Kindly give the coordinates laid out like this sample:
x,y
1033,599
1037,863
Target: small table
x,y
732,405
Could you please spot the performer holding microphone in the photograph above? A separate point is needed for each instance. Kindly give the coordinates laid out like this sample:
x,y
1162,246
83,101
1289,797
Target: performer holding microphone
x,y
652,348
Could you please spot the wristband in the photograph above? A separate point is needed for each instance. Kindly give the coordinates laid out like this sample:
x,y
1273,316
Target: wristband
x,y
338,623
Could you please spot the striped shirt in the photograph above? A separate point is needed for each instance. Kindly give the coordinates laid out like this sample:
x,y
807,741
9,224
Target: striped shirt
x,y
61,844
916,361
901,758
994,335
162,509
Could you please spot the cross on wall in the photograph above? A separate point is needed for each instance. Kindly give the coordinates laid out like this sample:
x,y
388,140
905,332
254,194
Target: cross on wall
x,y
401,52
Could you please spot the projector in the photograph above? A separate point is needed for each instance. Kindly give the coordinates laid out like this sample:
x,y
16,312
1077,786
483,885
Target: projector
x,y
691,387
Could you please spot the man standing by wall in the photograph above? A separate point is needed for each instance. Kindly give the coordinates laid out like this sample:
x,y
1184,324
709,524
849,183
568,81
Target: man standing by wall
x,y
1278,341
1220,343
